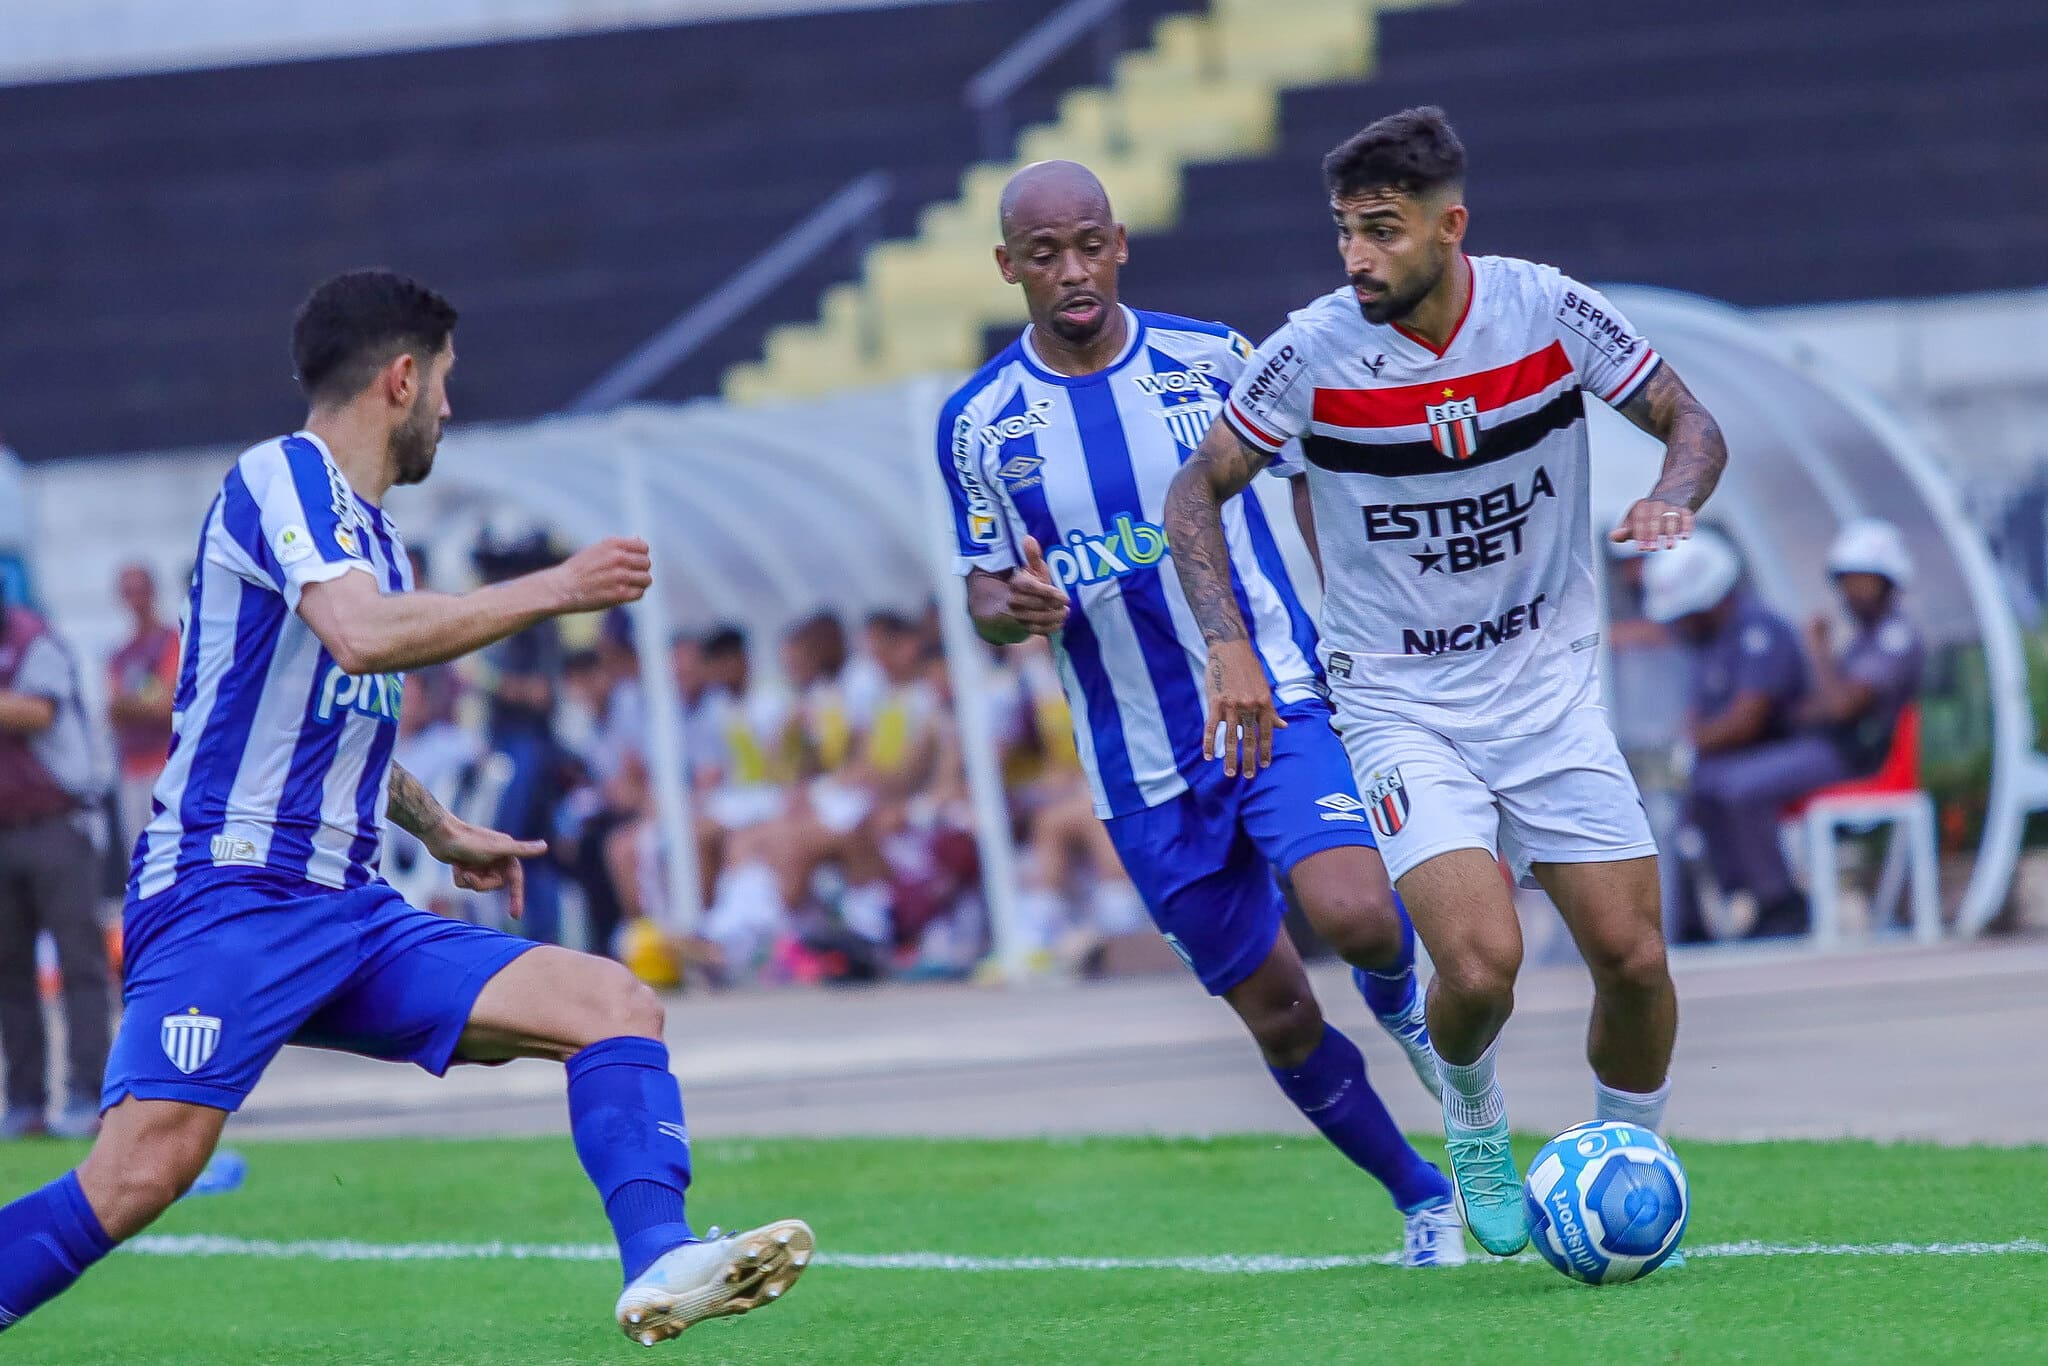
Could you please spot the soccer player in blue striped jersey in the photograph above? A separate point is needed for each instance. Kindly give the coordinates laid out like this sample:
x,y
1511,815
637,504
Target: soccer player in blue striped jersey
x,y
255,915
1058,455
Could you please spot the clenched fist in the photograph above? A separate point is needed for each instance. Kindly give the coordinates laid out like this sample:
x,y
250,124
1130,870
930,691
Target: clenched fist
x,y
607,573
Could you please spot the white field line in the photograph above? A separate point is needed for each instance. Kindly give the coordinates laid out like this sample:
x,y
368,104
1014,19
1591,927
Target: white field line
x,y
208,1245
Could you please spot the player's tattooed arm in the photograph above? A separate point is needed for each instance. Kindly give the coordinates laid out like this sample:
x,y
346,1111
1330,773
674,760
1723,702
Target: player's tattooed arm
x,y
1240,701
1222,468
1695,453
412,808
484,860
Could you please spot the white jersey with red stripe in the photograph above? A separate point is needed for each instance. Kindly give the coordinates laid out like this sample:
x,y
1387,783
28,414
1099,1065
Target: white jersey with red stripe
x,y
1450,490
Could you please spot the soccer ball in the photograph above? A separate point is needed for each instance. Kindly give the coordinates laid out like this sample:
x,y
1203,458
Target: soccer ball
x,y
1607,1202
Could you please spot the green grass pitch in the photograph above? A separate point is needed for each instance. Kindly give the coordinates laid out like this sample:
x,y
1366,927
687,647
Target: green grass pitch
x,y
1108,1198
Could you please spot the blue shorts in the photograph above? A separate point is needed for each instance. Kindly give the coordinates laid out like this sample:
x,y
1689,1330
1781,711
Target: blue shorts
x,y
226,968
1204,862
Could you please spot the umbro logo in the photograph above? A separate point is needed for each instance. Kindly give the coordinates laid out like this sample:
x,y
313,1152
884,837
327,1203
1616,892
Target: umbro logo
x,y
1341,806
1021,467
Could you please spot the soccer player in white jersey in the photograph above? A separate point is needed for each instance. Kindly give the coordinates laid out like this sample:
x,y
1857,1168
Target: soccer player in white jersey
x,y
255,914
1439,400
1068,440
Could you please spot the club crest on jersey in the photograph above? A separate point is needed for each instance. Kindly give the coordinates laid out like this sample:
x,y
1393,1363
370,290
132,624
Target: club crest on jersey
x,y
1454,425
189,1039
1387,800
1189,422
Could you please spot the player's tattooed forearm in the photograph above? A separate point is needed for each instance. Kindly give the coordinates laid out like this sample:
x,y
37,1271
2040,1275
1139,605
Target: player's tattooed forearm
x,y
1194,528
1694,451
412,807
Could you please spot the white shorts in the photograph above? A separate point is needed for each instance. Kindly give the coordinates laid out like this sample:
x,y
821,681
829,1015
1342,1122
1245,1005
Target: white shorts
x,y
1558,796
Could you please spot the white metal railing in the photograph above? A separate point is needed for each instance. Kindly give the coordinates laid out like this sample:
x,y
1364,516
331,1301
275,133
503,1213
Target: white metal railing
x,y
991,89
850,213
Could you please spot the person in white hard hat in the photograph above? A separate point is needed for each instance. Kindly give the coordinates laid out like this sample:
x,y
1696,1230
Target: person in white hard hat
x,y
1748,676
1845,726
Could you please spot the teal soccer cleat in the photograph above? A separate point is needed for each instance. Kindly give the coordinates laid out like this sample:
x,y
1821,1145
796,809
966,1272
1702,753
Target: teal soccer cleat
x,y
1489,1188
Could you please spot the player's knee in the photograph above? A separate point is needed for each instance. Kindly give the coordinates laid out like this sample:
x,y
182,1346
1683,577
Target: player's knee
x,y
1481,974
1359,922
130,1187
632,1009
1633,962
1287,1031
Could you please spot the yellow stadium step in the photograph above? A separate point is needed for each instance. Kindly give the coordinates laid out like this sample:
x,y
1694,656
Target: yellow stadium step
x,y
1207,87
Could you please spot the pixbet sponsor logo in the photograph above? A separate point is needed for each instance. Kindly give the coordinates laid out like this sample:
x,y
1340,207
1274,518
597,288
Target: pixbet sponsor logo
x,y
1476,531
1130,546
373,695
1476,635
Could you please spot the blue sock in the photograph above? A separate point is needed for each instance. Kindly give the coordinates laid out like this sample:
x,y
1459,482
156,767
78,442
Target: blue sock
x,y
1390,988
626,1115
47,1240
1332,1090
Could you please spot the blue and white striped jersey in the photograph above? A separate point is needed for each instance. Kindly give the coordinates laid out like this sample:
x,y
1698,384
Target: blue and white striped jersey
x,y
278,759
1083,464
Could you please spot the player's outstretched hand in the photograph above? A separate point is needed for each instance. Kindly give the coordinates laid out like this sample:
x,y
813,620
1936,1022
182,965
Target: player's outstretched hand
x,y
1037,602
1241,705
1653,524
486,860
606,573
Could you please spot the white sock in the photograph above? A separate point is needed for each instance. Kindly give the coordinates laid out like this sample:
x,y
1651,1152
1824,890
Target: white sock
x,y
1040,917
1642,1108
1472,1095
745,915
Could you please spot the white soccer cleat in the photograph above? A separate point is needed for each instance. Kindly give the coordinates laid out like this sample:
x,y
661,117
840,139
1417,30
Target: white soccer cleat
x,y
725,1274
1434,1236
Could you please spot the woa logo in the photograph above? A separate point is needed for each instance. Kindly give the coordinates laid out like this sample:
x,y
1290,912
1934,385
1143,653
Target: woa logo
x,y
1129,547
373,695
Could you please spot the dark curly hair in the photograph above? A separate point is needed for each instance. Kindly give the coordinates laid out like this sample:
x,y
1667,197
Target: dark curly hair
x,y
351,326
1415,152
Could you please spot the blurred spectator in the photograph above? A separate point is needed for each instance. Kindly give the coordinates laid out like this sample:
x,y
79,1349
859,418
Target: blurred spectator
x,y
142,681
1844,728
519,723
841,823
1747,676
1073,892
49,779
442,754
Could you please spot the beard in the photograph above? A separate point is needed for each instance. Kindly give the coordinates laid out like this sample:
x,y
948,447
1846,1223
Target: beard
x,y
413,444
1397,304
1079,334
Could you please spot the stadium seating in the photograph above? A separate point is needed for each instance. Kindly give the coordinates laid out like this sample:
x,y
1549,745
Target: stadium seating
x,y
1206,87
571,194
1750,150
1891,796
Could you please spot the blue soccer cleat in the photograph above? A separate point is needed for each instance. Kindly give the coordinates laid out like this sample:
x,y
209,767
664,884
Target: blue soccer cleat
x,y
1489,1188
725,1274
